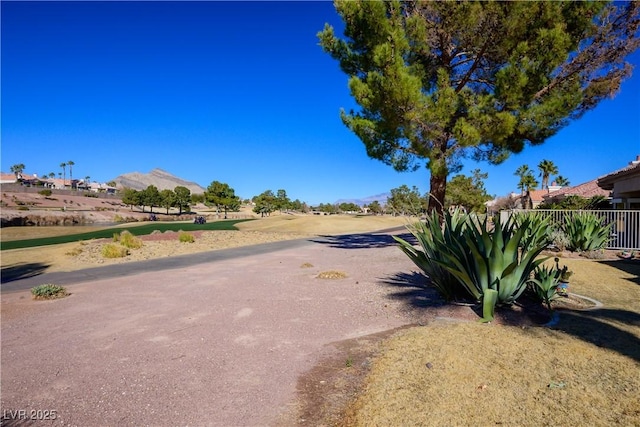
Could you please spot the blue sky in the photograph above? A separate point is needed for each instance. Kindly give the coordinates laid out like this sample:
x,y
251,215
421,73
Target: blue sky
x,y
235,92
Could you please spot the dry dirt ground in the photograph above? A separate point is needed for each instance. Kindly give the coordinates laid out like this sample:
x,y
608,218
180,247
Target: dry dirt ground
x,y
304,380
149,372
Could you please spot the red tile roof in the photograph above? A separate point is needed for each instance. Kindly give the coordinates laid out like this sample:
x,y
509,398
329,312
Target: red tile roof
x,y
586,190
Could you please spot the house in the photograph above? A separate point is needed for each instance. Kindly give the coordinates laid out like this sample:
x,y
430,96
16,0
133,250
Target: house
x,y
587,190
7,178
101,188
624,185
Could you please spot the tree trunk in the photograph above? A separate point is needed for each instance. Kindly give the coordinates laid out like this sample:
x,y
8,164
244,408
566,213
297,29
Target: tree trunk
x,y
438,187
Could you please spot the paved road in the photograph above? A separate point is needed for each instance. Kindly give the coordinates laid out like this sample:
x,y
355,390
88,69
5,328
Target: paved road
x,y
27,281
208,343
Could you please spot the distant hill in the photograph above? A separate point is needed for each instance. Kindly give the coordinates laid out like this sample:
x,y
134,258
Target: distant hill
x,y
381,198
158,177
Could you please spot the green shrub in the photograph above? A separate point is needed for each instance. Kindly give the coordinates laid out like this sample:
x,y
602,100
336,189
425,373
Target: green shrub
x,y
114,251
45,192
48,291
483,257
545,284
586,232
130,241
537,229
434,241
185,237
491,259
23,208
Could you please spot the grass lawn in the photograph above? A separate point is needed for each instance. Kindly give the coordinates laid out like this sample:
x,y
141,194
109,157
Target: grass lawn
x,y
584,371
137,230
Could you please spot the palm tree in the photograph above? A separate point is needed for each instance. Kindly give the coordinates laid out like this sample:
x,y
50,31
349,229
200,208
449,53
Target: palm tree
x,y
562,181
522,171
87,181
64,174
527,182
547,168
70,163
52,175
17,170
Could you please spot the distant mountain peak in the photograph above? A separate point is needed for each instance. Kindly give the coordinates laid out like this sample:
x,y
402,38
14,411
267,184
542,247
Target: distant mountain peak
x,y
381,198
160,178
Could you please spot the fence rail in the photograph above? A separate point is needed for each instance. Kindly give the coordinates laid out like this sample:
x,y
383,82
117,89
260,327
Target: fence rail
x,y
625,231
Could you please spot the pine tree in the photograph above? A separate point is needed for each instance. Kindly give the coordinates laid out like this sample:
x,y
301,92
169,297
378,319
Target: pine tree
x,y
438,81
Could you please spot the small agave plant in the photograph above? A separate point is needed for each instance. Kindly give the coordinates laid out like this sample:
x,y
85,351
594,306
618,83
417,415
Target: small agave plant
x,y
545,282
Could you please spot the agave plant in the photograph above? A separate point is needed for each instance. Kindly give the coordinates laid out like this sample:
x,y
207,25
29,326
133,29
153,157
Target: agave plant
x,y
489,263
537,229
434,241
586,232
545,282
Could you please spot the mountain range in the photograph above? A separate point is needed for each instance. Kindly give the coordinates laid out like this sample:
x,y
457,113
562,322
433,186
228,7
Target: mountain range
x,y
381,198
163,180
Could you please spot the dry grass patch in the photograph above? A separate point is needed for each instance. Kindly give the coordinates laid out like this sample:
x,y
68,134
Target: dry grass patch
x,y
306,265
332,274
473,374
586,372
75,251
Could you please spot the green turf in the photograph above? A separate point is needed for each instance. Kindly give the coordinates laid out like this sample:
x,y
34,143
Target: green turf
x,y
108,233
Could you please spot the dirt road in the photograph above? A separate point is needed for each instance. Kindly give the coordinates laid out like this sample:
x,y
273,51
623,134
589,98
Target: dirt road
x,y
219,343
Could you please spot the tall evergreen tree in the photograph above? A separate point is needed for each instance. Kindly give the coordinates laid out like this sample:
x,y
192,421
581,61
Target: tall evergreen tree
x,y
183,197
438,81
468,191
222,197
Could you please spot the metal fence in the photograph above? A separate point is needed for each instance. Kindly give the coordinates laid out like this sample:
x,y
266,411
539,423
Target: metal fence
x,y
625,231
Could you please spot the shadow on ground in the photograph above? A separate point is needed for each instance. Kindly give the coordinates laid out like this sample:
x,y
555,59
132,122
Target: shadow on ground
x,y
628,266
598,328
363,241
413,289
22,271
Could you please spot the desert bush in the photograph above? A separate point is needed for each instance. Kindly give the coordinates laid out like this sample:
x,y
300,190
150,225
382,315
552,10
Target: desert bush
x,y
75,251
118,218
128,240
45,192
595,254
185,237
559,240
93,195
114,251
586,232
23,208
48,291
